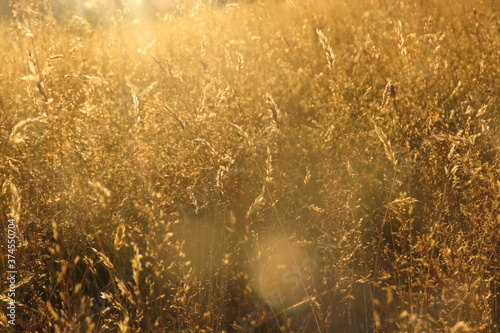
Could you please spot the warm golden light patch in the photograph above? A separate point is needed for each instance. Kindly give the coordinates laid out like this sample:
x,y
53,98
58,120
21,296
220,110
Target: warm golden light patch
x,y
163,4
283,274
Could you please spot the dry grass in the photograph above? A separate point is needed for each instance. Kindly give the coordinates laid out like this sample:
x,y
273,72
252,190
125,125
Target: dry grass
x,y
313,166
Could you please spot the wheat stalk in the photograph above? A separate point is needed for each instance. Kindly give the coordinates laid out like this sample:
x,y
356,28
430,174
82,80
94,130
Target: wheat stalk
x,y
389,153
325,44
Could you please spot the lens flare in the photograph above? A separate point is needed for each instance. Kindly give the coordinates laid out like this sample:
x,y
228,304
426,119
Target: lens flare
x,y
283,273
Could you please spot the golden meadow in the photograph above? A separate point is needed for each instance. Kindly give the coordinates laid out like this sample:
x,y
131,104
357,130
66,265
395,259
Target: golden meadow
x,y
269,166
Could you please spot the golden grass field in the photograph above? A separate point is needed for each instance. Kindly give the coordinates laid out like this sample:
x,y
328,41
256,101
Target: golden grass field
x,y
266,166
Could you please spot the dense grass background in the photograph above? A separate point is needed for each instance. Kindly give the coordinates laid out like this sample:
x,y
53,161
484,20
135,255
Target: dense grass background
x,y
317,166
